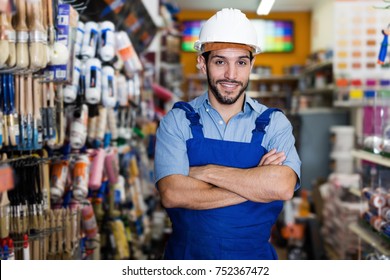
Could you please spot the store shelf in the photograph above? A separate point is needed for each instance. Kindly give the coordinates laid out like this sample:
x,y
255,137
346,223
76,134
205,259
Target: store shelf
x,y
316,67
276,78
355,192
171,66
348,103
313,91
266,94
360,154
318,110
372,237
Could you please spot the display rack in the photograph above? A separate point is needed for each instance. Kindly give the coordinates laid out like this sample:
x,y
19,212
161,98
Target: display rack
x,y
378,159
311,90
377,241
362,229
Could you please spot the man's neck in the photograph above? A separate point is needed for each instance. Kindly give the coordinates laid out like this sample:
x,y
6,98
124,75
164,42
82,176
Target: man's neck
x,y
227,111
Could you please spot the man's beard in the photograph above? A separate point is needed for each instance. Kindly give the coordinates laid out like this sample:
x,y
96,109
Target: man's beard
x,y
226,99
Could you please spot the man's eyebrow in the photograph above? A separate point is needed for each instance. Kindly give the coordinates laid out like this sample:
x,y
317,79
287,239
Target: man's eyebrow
x,y
224,57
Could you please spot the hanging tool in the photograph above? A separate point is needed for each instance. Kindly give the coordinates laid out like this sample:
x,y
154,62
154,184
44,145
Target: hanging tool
x,y
59,175
71,90
22,93
79,38
78,128
90,39
100,126
107,41
11,115
92,124
109,87
37,126
26,249
45,181
80,177
1,116
97,168
37,35
384,46
4,109
93,80
60,118
112,127
51,116
29,112
13,109
50,22
4,43
11,61
22,53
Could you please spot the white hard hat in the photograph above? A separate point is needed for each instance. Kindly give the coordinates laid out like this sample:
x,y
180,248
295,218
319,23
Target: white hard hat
x,y
228,26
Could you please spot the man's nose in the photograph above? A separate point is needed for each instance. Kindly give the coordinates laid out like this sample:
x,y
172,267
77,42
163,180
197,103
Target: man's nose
x,y
231,72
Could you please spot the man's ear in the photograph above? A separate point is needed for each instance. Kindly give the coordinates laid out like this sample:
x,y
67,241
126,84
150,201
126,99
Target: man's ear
x,y
201,64
252,63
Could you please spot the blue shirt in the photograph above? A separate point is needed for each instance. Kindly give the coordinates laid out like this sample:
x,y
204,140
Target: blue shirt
x,y
174,130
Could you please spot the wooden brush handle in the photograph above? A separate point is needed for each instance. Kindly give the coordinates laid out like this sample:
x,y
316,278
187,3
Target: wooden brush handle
x,y
20,92
4,45
44,14
16,90
44,95
4,25
34,15
37,98
29,99
11,41
50,21
51,94
20,17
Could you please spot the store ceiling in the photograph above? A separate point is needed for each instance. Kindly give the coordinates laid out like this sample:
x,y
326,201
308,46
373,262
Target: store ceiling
x,y
245,5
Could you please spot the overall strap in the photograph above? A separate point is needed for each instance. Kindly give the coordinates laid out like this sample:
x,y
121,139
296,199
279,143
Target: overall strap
x,y
192,116
262,122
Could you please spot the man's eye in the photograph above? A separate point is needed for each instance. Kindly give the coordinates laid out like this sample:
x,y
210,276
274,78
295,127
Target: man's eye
x,y
242,62
219,62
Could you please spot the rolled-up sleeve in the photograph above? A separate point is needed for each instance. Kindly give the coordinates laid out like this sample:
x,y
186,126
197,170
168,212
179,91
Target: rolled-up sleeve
x,y
171,150
280,137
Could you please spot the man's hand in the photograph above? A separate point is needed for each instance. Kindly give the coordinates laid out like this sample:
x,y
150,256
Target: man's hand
x,y
273,158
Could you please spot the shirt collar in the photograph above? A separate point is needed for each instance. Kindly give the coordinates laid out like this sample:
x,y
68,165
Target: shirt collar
x,y
250,104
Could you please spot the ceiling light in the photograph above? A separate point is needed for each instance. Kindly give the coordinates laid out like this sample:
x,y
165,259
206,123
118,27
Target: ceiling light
x,y
265,7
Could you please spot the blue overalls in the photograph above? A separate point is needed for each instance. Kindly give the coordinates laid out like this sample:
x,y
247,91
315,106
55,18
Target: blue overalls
x,y
238,232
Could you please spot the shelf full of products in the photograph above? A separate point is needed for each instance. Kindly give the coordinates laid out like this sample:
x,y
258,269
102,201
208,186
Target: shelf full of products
x,y
77,130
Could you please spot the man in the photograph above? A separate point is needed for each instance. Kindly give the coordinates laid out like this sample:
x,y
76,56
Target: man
x,y
224,163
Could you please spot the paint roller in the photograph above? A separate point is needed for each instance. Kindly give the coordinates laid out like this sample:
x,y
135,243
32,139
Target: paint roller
x,y
93,81
109,89
107,41
90,38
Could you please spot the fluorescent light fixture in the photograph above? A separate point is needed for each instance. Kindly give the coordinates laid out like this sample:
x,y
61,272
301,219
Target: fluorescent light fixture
x,y
265,7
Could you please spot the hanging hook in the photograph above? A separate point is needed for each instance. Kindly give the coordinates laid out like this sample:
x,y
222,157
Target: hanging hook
x,y
80,7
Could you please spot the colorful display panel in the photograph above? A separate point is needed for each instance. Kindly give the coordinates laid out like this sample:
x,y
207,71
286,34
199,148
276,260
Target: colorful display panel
x,y
191,31
273,35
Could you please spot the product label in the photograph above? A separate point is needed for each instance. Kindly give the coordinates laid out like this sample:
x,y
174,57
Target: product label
x,y
126,53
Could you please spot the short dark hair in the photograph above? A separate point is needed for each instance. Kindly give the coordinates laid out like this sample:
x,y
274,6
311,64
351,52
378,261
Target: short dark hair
x,y
206,56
